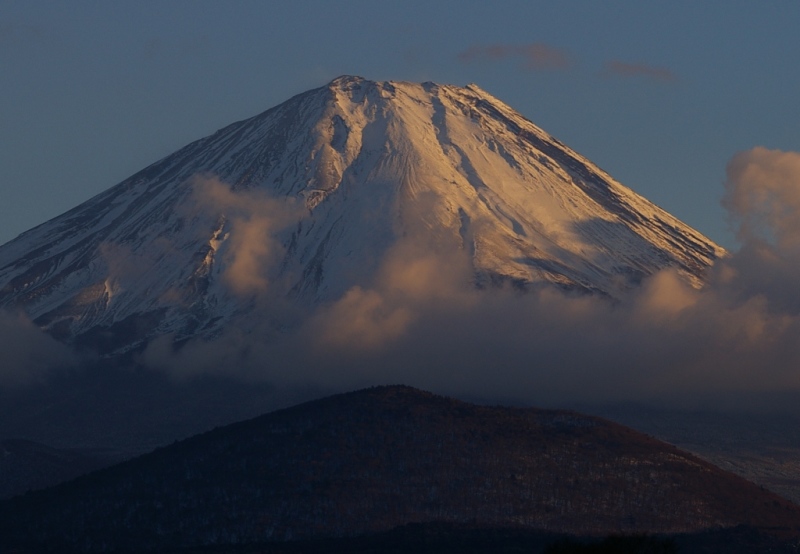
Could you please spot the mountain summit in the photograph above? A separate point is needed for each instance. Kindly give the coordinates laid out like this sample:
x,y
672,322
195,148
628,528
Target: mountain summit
x,y
308,197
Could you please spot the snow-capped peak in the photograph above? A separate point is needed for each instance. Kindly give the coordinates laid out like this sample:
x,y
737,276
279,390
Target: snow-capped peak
x,y
322,186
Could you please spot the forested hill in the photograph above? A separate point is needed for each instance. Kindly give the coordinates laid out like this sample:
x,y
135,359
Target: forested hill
x,y
373,460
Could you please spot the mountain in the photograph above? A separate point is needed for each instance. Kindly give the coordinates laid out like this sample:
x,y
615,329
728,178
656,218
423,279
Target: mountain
x,y
374,460
26,465
310,195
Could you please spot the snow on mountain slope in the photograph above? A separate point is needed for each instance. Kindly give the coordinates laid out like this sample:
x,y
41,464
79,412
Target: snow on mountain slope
x,y
321,187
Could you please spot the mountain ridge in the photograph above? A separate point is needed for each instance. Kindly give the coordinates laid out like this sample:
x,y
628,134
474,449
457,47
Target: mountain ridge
x,y
329,181
373,460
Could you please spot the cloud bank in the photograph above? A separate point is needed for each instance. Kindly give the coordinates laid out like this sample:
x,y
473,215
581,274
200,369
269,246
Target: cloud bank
x,y
28,355
420,321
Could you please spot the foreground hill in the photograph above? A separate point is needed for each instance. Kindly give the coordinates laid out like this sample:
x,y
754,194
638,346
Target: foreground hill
x,y
370,461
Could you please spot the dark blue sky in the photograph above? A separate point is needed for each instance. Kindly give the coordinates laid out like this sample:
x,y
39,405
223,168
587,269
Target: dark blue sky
x,y
659,94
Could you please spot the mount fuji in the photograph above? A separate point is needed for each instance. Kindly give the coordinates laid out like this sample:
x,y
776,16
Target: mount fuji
x,y
307,198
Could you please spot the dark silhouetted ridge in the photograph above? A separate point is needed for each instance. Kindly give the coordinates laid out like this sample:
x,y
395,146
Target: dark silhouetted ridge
x,y
369,461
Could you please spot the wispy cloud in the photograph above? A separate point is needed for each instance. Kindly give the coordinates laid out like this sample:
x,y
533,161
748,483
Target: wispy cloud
x,y
536,56
616,68
419,321
762,194
28,354
250,249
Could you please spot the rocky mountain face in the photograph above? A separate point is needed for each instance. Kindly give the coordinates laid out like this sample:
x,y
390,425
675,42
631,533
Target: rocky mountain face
x,y
308,197
373,460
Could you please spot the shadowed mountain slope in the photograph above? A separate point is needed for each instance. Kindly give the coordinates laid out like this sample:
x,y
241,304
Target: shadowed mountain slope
x,y
372,460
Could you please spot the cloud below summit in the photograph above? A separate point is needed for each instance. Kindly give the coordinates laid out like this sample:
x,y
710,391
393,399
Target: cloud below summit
x,y
420,322
248,221
762,195
27,354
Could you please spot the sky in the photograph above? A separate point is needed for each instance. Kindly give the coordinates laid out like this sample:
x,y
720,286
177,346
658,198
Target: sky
x,y
661,95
